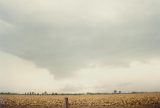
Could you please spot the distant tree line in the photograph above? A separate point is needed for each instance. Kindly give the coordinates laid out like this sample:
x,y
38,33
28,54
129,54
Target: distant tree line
x,y
43,93
117,92
8,93
54,93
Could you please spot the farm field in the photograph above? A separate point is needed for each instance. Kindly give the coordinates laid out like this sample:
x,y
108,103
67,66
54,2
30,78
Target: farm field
x,y
146,100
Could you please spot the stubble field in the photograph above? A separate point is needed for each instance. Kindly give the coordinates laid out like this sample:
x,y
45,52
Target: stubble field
x,y
146,100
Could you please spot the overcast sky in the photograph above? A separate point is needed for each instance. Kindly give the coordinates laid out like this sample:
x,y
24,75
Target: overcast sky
x,y
79,45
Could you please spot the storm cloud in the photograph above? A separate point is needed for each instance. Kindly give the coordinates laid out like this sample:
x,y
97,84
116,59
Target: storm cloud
x,y
65,36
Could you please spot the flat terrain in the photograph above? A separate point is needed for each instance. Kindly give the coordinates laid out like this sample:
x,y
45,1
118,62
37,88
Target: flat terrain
x,y
146,100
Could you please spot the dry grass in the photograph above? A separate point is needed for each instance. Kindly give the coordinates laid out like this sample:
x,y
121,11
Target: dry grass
x,y
147,100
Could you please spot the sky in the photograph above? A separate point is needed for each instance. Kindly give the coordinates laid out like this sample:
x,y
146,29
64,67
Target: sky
x,y
77,46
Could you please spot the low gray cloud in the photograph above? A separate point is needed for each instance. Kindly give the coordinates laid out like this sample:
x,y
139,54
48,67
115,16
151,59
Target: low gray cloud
x,y
65,36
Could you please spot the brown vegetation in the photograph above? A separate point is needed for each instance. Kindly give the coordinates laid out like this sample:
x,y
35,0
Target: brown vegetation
x,y
146,100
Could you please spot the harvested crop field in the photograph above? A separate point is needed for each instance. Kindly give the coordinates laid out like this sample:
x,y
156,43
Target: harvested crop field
x,y
146,100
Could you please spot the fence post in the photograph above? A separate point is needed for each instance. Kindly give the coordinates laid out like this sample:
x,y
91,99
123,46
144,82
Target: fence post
x,y
66,102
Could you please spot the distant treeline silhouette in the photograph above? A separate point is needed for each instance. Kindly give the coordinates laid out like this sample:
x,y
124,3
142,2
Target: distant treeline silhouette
x,y
54,93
